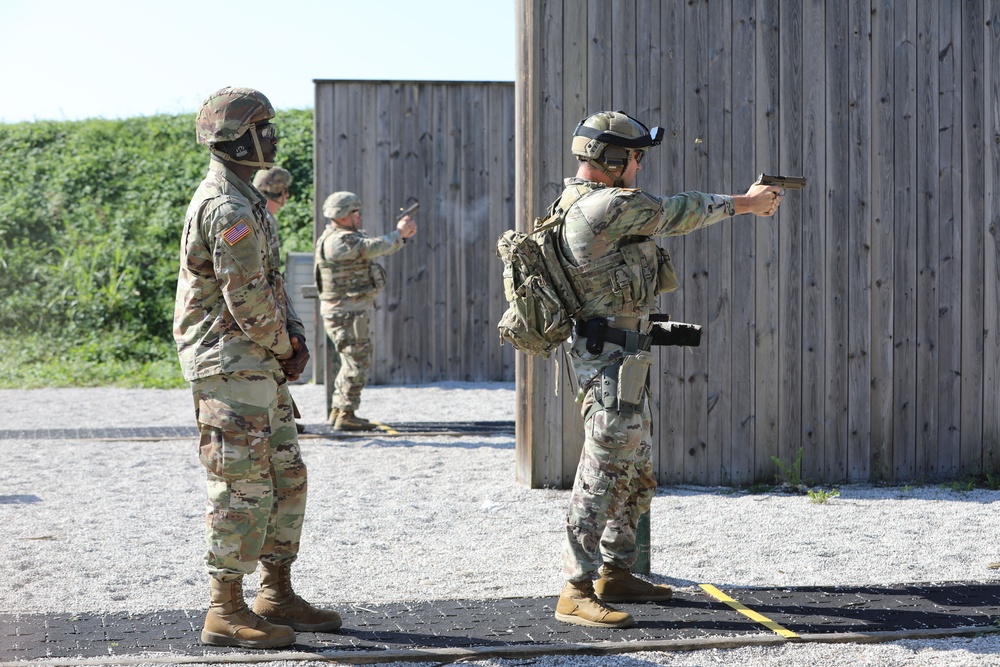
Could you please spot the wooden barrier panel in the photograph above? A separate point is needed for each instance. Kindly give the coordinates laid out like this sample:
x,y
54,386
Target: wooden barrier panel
x,y
450,146
859,326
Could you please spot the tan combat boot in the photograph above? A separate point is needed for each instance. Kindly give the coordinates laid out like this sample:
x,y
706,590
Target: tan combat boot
x,y
577,605
278,603
347,421
230,623
332,419
618,584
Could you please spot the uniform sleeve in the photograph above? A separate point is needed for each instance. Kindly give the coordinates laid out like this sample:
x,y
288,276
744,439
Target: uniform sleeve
x,y
292,320
293,323
238,245
359,246
686,212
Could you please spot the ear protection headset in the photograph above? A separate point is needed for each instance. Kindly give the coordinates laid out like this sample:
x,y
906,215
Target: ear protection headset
x,y
245,149
239,148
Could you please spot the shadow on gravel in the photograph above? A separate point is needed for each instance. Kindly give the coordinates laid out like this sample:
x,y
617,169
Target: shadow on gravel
x,y
121,433
19,500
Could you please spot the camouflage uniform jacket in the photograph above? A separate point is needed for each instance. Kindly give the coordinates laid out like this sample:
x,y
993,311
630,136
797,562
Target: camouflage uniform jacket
x,y
603,224
613,262
230,312
346,277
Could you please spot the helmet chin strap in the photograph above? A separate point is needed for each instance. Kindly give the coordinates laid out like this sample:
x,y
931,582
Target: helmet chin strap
x,y
617,179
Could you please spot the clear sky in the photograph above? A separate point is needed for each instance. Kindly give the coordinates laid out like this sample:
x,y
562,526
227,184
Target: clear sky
x,y
74,59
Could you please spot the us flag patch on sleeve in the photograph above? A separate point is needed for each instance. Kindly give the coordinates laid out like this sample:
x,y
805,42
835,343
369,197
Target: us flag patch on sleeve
x,y
236,232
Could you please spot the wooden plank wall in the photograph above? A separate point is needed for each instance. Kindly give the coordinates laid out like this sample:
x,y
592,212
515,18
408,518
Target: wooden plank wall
x,y
449,145
861,325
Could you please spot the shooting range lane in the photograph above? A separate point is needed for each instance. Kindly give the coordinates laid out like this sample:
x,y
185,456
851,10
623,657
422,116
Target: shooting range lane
x,y
487,549
522,627
749,613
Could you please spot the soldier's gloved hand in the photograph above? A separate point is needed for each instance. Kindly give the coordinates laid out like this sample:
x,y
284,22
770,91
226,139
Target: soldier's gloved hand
x,y
295,364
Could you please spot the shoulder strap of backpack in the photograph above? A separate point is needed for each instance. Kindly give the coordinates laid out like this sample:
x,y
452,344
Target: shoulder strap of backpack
x,y
558,209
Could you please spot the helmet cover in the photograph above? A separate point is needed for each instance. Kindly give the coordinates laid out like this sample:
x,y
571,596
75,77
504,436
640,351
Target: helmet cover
x,y
229,112
596,132
272,181
340,204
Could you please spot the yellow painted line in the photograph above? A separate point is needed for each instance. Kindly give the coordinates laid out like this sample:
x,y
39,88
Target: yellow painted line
x,y
385,428
749,613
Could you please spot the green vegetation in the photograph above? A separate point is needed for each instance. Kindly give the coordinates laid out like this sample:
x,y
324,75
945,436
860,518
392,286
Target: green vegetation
x,y
790,474
33,361
992,482
90,224
965,485
788,479
820,496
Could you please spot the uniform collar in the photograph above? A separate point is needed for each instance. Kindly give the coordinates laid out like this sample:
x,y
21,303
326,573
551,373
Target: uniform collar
x,y
250,192
576,180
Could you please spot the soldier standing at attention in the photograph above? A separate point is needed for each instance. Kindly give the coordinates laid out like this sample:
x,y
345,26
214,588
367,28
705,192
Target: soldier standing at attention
x,y
238,348
617,270
274,183
348,281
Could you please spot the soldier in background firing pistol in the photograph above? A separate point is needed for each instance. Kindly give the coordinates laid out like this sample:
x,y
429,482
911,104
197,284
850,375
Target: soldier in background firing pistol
x,y
348,281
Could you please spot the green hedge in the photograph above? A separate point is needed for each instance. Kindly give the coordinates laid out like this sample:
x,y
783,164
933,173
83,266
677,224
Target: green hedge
x,y
90,222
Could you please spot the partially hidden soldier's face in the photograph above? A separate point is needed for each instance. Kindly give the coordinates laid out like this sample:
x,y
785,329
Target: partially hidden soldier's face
x,y
268,136
350,221
355,219
632,170
276,200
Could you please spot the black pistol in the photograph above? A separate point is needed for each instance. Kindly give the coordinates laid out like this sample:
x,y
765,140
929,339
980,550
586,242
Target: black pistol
x,y
403,212
786,182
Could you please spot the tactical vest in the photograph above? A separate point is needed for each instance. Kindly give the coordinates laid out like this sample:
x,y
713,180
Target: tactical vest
x,y
349,279
625,282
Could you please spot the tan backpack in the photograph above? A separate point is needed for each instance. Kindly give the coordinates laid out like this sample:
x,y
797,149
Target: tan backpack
x,y
540,297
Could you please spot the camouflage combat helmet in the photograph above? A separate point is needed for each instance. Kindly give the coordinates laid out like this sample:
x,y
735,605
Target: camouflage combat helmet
x,y
273,181
608,139
340,204
227,114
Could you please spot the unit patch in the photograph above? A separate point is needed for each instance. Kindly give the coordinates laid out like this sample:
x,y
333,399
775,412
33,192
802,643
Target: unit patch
x,y
236,232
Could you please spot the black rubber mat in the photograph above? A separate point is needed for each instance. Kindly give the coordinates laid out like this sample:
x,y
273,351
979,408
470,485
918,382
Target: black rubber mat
x,y
417,429
523,624
876,609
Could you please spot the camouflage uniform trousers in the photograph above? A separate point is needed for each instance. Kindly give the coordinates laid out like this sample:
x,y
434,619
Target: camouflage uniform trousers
x,y
348,330
614,487
256,476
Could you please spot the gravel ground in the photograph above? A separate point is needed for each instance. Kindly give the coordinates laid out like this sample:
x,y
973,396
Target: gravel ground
x,y
116,525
